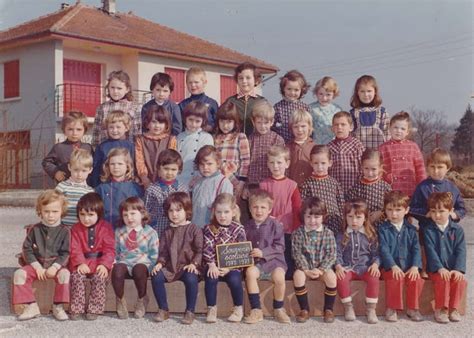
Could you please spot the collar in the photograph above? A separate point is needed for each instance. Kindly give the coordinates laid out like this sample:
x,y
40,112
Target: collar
x,y
76,184
246,96
442,227
179,225
278,179
398,227
321,177
137,229
113,180
436,182
161,104
290,101
366,181
78,143
308,230
51,225
362,230
300,143
156,137
197,96
166,183
347,139
193,132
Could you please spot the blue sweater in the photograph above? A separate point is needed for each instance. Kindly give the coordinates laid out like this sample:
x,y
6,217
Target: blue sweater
x,y
210,102
445,249
399,248
173,109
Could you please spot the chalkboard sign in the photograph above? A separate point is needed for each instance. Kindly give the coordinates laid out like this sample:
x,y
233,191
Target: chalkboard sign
x,y
234,255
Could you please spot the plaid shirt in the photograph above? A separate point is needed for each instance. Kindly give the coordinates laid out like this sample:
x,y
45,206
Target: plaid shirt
x,y
371,126
155,196
235,148
346,155
313,249
99,132
283,111
403,165
259,146
220,235
331,193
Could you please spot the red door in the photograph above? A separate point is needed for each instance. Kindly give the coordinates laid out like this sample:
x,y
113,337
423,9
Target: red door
x,y
179,83
228,87
82,86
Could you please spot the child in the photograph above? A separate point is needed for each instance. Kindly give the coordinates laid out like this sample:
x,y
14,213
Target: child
x,y
161,87
55,164
119,91
180,256
358,259
286,198
400,257
445,248
438,164
117,124
136,250
169,165
80,166
301,125
293,87
192,139
232,145
45,254
321,185
117,184
211,183
248,77
267,237
403,162
92,255
223,229
369,117
323,110
346,151
149,145
314,252
371,187
196,81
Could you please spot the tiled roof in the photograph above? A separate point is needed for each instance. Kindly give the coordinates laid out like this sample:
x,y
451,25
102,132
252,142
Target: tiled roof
x,y
90,23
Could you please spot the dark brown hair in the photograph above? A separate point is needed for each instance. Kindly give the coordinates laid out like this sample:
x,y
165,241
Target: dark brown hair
x,y
163,80
170,156
320,149
91,202
181,198
257,75
198,109
157,113
294,75
360,207
134,203
122,77
365,80
315,206
397,199
74,116
228,111
401,116
204,152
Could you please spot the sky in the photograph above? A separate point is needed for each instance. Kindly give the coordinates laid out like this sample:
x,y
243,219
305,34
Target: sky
x,y
420,52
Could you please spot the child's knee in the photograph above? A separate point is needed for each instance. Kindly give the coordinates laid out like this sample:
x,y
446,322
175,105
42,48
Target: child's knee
x,y
329,277
19,277
278,276
252,273
299,277
63,276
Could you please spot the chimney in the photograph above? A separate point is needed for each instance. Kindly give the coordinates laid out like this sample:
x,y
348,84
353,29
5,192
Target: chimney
x,y
108,6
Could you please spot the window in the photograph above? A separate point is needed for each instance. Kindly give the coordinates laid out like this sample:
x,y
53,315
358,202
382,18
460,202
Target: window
x,y
228,87
11,79
179,83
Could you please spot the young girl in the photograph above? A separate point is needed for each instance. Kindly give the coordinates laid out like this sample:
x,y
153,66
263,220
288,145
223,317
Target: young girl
x,y
211,184
92,255
370,118
180,256
232,145
248,77
117,184
301,125
136,250
223,229
371,187
293,87
149,145
119,92
402,159
323,110
321,185
358,259
192,139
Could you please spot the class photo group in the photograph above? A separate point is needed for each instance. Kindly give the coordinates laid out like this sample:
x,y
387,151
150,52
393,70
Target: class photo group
x,y
320,192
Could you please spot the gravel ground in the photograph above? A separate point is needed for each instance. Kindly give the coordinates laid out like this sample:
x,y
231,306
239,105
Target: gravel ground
x,y
12,219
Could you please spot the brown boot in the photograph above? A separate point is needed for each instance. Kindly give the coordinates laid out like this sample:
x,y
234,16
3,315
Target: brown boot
x,y
328,316
188,318
303,316
162,315
121,305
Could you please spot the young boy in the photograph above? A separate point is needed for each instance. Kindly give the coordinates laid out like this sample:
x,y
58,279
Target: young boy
x,y
314,251
161,87
55,164
438,164
400,257
45,253
346,151
170,165
117,123
196,82
286,198
76,186
445,248
266,235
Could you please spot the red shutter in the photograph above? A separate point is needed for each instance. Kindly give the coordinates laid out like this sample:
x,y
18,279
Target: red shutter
x,y
228,87
179,84
11,79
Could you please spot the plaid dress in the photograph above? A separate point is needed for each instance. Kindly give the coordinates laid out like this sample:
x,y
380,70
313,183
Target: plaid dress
x,y
99,132
331,193
346,155
313,249
371,126
259,146
235,148
283,111
213,236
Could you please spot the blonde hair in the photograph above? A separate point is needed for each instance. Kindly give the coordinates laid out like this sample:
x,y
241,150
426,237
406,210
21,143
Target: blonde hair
x,y
228,199
263,109
196,71
300,115
439,156
118,116
128,160
276,151
81,157
329,84
261,195
50,196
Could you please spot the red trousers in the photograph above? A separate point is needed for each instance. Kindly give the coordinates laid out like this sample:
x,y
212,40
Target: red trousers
x,y
23,279
371,290
448,294
394,292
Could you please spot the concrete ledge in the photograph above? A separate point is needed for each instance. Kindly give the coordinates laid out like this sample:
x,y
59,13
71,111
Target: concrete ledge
x,y
19,198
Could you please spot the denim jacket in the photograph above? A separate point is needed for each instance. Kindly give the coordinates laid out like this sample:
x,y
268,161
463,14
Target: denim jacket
x,y
358,253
